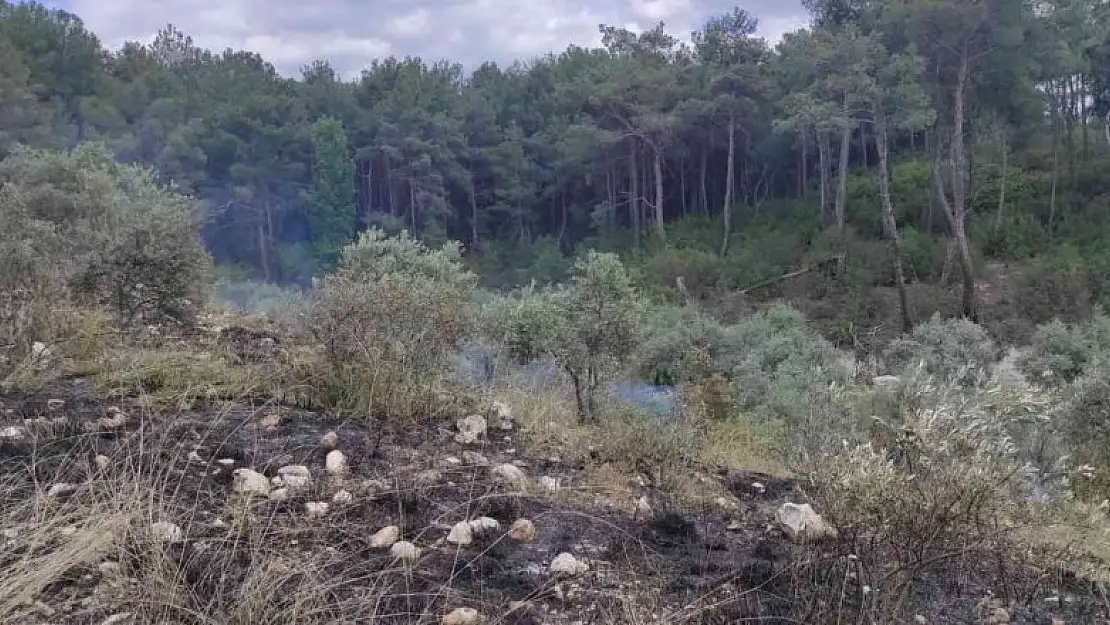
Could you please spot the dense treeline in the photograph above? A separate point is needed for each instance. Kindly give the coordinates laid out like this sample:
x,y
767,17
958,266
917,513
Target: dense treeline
x,y
889,126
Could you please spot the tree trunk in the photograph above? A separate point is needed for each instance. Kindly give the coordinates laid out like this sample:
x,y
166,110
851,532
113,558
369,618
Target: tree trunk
x,y
805,167
682,187
823,159
842,178
889,222
634,198
660,228
1002,180
704,204
726,210
473,214
956,209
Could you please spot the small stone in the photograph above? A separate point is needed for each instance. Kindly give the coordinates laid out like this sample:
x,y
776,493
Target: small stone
x,y
61,489
474,459
279,494
295,476
501,411
471,429
758,488
461,616
102,462
452,461
460,534
123,618
405,551
55,404
511,475
385,537
109,568
342,497
316,509
567,564
735,526
226,462
522,531
801,524
44,609
549,485
166,532
219,524
194,457
920,620
12,433
336,463
999,616
1058,621
250,482
329,440
270,421
484,526
428,477
725,503
643,508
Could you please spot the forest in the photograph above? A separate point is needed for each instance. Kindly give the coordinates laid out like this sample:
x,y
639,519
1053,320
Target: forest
x,y
892,143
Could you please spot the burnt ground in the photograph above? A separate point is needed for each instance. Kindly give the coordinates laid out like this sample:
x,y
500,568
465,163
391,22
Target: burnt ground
x,y
677,565
683,563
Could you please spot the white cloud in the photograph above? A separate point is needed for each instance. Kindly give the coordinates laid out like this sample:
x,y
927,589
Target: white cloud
x,y
350,33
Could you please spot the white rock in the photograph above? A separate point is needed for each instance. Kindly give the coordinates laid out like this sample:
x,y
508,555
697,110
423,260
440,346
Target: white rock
x,y
109,568
643,508
279,494
501,411
166,532
226,462
123,618
759,488
484,526
460,534
102,462
471,429
385,537
61,489
461,616
549,484
12,433
405,551
336,463
316,509
567,564
55,404
194,457
329,440
511,475
886,383
800,523
342,497
250,482
270,421
522,531
474,459
295,476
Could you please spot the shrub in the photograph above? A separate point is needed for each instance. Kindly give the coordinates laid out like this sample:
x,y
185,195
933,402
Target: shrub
x,y
933,498
391,318
589,326
102,232
1062,352
1055,285
952,349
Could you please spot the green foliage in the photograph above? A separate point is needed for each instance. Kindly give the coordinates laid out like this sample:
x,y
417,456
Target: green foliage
x,y
106,232
1061,352
590,326
331,204
391,317
950,349
1057,284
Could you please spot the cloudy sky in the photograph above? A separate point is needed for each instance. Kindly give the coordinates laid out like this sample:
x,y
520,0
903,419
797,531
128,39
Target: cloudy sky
x,y
349,33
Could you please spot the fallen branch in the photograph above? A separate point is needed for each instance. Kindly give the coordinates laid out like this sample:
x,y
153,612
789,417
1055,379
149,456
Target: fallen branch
x,y
839,259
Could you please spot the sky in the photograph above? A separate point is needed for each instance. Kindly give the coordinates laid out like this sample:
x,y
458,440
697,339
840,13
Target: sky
x,y
349,33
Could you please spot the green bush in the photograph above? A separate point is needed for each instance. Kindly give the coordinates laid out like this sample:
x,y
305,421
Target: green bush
x,y
1062,352
391,318
951,349
101,232
589,326
1054,285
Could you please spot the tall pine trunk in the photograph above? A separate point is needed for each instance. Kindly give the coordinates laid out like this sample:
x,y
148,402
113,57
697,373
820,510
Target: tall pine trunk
x,y
889,222
660,228
842,178
726,210
823,160
955,210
